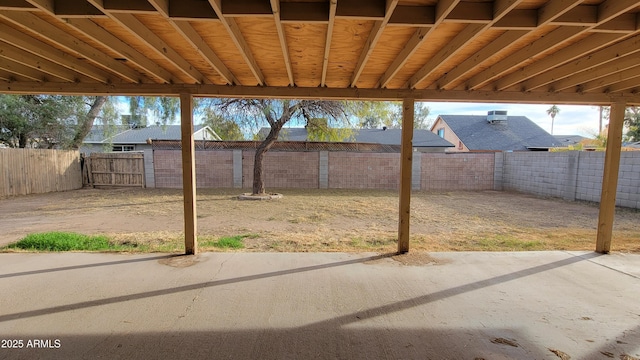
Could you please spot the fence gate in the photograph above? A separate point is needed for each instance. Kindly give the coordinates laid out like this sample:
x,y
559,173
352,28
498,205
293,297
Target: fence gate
x,y
114,169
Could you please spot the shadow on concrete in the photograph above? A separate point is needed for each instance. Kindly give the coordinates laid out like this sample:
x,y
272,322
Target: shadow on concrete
x,y
385,309
85,266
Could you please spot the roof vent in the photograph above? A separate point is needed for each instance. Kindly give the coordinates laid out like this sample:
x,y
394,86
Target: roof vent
x,y
496,115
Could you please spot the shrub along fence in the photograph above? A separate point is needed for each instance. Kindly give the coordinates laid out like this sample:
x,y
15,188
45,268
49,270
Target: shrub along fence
x,y
35,171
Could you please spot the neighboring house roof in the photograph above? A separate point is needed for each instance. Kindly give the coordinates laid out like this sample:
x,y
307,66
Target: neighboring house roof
x,y
421,138
514,134
635,145
566,140
126,135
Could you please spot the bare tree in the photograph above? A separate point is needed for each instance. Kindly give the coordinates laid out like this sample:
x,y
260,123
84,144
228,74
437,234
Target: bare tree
x,y
276,113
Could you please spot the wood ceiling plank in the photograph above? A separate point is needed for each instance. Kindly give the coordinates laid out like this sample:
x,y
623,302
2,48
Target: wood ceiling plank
x,y
552,40
236,36
40,64
470,33
15,68
374,36
632,84
606,82
333,4
495,47
597,72
570,53
31,22
610,53
554,9
275,7
155,43
443,8
22,40
97,33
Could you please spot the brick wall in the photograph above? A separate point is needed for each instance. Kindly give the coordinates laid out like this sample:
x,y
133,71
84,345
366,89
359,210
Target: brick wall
x,y
462,171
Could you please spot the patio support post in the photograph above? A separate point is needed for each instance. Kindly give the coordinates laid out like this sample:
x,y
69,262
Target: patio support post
x,y
406,158
188,174
610,178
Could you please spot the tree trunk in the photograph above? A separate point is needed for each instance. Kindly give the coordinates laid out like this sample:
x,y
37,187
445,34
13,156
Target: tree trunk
x,y
85,127
258,180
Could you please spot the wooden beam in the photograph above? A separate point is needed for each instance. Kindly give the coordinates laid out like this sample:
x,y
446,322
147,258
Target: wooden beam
x,y
406,162
372,41
16,68
236,36
42,66
554,9
188,174
327,44
483,96
495,47
603,70
631,84
610,178
611,53
550,41
94,31
31,22
275,7
606,82
456,44
581,48
443,8
24,41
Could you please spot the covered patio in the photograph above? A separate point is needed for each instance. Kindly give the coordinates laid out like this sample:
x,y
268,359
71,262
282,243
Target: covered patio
x,y
524,51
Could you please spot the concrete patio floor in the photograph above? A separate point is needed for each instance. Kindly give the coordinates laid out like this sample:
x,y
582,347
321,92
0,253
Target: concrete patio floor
x,y
526,305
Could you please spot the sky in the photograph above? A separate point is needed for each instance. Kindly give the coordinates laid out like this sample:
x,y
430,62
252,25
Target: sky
x,y
571,120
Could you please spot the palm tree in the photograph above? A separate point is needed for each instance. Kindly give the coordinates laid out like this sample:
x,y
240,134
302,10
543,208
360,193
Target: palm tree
x,y
553,111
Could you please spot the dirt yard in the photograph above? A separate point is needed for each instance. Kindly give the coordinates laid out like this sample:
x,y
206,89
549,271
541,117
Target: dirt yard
x,y
322,220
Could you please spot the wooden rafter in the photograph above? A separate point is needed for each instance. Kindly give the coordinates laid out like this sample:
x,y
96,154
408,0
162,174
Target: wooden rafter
x,y
597,72
197,42
627,47
31,22
97,33
159,46
236,36
443,8
275,7
333,4
374,36
570,53
23,41
42,66
550,41
16,68
613,79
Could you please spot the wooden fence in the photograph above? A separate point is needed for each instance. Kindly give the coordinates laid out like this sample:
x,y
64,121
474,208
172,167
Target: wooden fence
x,y
114,169
36,171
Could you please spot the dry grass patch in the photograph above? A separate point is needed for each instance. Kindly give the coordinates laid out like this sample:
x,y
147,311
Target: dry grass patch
x,y
323,220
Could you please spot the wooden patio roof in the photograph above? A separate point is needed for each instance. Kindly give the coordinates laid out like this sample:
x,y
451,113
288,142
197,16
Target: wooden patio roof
x,y
551,51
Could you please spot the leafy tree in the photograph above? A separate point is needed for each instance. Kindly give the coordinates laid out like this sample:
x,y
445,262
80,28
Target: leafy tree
x,y
276,113
227,129
47,121
163,108
376,114
553,111
632,121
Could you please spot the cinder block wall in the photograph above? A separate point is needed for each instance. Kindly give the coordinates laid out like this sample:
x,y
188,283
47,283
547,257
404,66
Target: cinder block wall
x,y
349,170
461,171
213,168
571,175
284,169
